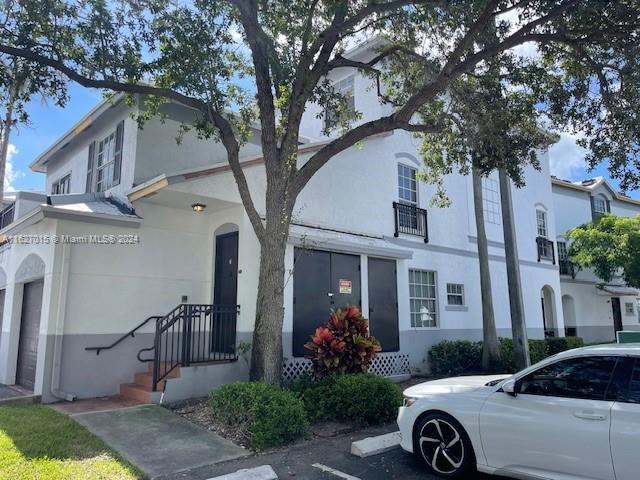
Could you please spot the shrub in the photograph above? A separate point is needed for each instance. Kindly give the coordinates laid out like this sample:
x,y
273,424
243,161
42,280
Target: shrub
x,y
261,414
361,398
342,345
464,357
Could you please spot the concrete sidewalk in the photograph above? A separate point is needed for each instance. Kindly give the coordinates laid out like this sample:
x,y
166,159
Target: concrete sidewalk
x,y
158,441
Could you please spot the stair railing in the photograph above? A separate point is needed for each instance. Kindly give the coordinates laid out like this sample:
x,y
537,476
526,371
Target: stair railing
x,y
131,333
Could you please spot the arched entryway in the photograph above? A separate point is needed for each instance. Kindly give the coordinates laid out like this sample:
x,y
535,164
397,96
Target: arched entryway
x,y
547,299
569,311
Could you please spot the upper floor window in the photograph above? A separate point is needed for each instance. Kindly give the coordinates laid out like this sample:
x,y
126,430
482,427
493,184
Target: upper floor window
x,y
62,186
599,206
541,222
491,200
407,185
105,161
344,88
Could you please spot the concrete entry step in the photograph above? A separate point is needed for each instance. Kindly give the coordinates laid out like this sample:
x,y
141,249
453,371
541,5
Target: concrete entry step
x,y
158,441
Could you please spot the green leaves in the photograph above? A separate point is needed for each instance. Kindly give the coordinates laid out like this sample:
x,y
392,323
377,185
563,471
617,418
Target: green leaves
x,y
610,246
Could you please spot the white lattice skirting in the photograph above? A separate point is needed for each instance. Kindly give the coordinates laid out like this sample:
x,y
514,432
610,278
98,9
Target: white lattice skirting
x,y
385,364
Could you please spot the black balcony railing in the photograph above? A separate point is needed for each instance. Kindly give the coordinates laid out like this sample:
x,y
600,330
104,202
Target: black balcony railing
x,y
567,268
545,249
411,220
6,215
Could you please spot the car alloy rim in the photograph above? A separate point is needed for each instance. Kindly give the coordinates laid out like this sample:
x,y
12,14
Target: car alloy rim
x,y
441,446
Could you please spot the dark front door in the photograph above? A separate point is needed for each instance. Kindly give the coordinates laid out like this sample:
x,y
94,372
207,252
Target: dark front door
x,y
383,303
225,289
321,281
617,313
29,334
225,292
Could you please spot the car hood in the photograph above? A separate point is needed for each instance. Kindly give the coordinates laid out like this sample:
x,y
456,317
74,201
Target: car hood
x,y
452,385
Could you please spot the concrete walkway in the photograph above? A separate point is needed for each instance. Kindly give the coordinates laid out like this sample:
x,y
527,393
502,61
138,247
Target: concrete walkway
x,y
158,441
15,394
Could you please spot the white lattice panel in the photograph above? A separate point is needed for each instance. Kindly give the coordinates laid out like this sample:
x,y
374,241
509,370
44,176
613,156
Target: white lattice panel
x,y
385,364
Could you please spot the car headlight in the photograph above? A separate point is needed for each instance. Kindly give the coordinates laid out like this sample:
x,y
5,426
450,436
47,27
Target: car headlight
x,y
408,401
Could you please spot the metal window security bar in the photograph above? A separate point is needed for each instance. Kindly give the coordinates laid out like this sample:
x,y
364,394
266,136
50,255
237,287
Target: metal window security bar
x,y
6,215
411,220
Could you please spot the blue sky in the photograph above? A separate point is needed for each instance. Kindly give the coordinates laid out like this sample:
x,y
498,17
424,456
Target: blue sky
x,y
48,122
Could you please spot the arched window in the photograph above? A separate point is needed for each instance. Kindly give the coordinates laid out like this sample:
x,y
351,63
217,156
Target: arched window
x,y
599,206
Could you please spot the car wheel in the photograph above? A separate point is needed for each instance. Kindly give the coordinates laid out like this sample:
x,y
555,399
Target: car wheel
x,y
444,446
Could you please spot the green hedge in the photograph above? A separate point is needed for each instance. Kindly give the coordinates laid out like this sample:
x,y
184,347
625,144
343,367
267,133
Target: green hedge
x,y
362,398
464,357
266,416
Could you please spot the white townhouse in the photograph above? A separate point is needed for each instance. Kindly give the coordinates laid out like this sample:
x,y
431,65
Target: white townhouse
x,y
137,270
592,309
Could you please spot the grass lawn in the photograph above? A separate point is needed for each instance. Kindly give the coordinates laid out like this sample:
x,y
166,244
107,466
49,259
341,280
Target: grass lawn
x,y
38,443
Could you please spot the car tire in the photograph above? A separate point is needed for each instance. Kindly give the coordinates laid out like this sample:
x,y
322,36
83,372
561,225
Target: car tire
x,y
444,446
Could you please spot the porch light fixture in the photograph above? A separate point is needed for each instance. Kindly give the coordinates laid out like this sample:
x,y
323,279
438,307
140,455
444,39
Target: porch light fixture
x,y
198,207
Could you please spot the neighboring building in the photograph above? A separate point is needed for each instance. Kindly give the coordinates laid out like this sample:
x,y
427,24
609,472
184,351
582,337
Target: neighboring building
x,y
363,233
592,310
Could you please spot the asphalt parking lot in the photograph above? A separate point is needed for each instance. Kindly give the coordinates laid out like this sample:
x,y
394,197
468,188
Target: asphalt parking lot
x,y
325,459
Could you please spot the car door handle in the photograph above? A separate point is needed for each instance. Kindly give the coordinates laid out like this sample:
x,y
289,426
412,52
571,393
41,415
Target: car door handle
x,y
590,416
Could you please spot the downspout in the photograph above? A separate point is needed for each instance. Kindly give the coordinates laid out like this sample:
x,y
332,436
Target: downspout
x,y
59,330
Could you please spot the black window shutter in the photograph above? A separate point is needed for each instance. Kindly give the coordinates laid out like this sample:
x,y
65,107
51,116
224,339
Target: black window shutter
x,y
593,210
90,167
117,162
608,205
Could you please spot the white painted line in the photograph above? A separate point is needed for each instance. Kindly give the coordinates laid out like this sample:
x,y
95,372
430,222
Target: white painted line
x,y
376,445
264,472
335,472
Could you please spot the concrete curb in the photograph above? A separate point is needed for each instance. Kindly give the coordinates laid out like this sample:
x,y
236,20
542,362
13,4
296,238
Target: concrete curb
x,y
21,400
375,445
264,472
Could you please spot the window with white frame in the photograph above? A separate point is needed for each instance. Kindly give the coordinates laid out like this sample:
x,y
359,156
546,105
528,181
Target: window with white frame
x,y
344,88
491,200
455,294
599,206
628,308
541,221
562,251
62,186
105,161
423,298
407,185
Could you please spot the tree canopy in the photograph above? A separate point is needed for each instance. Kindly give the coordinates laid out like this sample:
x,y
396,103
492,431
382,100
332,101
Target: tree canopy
x,y
478,80
610,246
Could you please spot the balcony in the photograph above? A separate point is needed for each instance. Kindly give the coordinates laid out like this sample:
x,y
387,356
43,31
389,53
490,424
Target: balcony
x,y
410,220
545,249
6,215
567,268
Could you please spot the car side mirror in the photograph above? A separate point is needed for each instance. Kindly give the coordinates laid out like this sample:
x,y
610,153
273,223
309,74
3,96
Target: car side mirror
x,y
510,387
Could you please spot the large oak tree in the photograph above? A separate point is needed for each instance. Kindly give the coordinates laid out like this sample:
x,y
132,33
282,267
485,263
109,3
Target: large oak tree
x,y
583,77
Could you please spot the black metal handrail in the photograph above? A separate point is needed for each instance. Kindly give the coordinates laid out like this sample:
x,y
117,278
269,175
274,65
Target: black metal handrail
x,y
6,215
131,333
411,220
545,249
192,334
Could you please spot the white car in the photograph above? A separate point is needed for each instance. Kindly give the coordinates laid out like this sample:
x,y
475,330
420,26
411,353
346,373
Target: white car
x,y
573,416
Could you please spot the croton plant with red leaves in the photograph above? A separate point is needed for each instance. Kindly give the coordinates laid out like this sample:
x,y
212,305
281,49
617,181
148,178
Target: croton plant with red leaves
x,y
343,344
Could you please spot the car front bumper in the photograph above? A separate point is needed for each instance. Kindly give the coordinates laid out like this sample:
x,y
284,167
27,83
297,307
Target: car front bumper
x,y
406,419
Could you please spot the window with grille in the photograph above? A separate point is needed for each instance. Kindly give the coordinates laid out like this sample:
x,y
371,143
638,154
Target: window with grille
x,y
491,200
408,195
423,298
598,206
628,308
344,88
455,294
541,220
105,161
62,186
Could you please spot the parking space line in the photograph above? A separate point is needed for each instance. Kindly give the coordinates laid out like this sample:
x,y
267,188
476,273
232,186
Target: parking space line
x,y
335,472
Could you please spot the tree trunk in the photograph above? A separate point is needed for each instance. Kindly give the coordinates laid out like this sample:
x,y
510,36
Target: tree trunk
x,y
518,323
7,124
490,350
266,354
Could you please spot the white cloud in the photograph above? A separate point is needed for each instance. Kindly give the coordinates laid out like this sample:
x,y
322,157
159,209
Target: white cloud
x,y
567,158
11,175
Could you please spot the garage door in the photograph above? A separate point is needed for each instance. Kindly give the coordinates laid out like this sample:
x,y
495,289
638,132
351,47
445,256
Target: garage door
x,y
321,281
29,334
